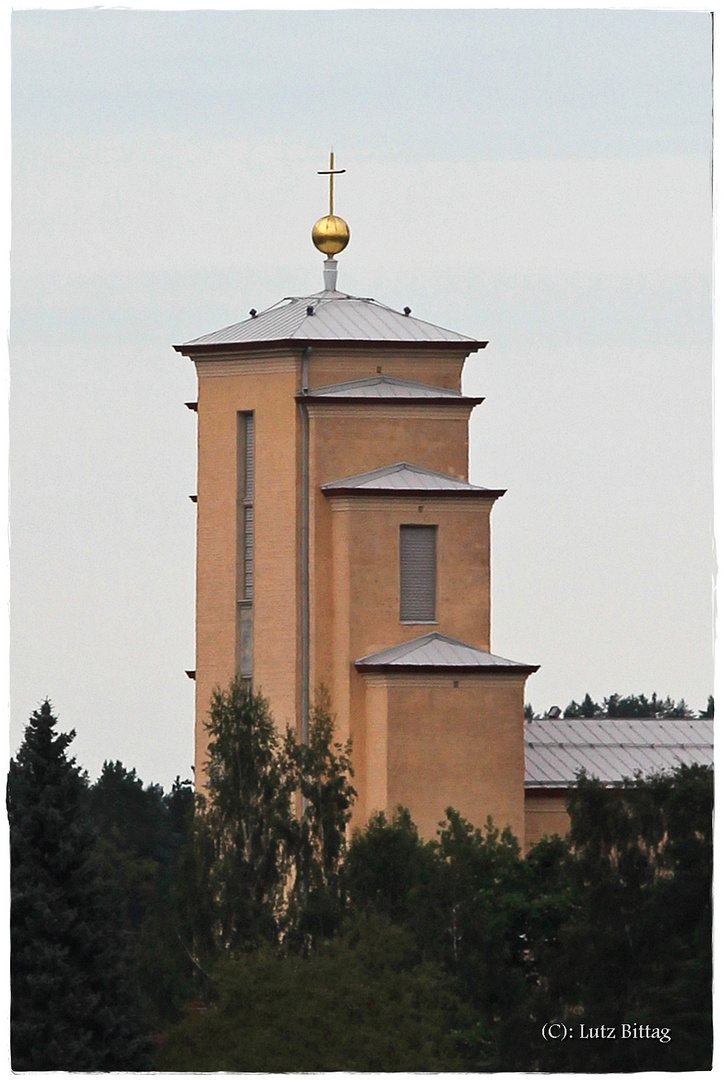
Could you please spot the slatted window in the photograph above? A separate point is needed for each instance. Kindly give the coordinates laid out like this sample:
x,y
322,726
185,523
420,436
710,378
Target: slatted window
x,y
417,573
249,457
245,461
248,586
247,590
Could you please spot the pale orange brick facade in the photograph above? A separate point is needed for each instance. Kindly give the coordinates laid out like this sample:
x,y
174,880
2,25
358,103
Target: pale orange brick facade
x,y
448,741
265,387
545,815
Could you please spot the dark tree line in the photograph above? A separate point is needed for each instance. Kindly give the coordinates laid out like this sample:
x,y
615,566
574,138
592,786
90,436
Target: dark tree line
x,y
313,951
72,1003
632,706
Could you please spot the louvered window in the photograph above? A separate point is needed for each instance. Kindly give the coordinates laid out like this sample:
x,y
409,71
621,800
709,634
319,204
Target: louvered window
x,y
248,508
249,457
245,544
417,573
248,587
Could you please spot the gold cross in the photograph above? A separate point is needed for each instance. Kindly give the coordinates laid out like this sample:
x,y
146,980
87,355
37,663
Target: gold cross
x,y
331,172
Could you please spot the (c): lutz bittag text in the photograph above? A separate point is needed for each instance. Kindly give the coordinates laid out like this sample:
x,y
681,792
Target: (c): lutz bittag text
x,y
559,1031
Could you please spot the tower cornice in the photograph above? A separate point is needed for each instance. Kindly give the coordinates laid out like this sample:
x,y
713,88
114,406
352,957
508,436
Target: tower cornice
x,y
459,348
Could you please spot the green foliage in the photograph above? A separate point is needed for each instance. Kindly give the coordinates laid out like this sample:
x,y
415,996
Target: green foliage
x,y
613,929
390,871
256,872
479,870
473,905
391,953
320,771
709,711
141,833
587,709
72,1006
362,1002
120,804
242,832
634,706
640,706
638,949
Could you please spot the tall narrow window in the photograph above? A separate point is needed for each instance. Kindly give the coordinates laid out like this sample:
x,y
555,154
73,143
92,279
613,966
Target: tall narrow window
x,y
417,573
248,506
245,542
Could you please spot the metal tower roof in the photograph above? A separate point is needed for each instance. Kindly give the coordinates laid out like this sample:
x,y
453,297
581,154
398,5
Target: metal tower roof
x,y
330,316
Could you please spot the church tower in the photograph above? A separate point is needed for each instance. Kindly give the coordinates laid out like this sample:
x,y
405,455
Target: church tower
x,y
340,544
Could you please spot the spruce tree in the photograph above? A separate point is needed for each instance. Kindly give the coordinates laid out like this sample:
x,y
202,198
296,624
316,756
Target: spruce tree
x,y
140,834
72,1008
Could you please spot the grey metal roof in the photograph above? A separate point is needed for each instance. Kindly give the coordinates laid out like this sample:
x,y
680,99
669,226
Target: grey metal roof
x,y
403,477
436,650
556,750
384,386
330,316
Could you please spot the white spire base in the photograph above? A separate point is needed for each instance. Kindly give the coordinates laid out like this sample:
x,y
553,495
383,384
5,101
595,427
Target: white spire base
x,y
331,267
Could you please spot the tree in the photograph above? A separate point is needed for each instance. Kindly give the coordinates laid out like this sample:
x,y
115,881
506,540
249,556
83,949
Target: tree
x,y
391,872
638,944
121,804
503,916
242,829
587,709
636,706
257,872
364,1001
614,928
320,770
72,1007
141,833
473,905
709,712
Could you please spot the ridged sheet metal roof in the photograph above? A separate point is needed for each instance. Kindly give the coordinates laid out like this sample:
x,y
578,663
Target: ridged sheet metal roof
x,y
329,316
438,650
384,386
405,477
556,750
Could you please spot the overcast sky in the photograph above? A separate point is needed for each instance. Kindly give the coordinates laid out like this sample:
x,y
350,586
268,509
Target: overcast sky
x,y
540,179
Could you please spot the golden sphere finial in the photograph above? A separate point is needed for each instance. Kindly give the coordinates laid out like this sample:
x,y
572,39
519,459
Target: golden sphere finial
x,y
330,235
